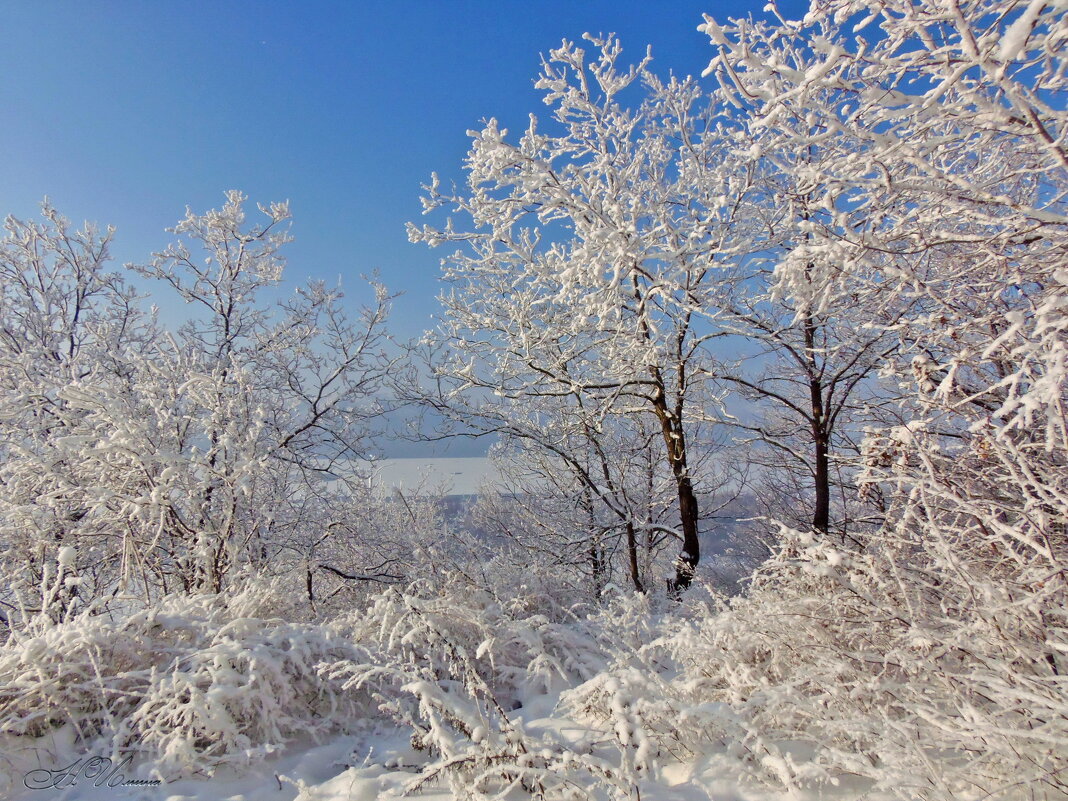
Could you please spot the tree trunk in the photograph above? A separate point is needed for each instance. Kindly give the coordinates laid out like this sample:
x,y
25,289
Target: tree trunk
x,y
821,511
632,555
675,442
686,566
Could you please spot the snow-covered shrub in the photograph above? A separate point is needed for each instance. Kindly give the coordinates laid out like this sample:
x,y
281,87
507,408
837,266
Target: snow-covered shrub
x,y
916,663
458,667
439,629
928,684
191,682
453,663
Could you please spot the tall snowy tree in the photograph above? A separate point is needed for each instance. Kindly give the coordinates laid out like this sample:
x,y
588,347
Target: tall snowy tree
x,y
589,253
807,376
948,202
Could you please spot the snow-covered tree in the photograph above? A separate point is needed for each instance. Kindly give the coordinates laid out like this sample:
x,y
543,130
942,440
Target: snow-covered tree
x,y
806,352
64,319
589,251
947,217
281,395
168,461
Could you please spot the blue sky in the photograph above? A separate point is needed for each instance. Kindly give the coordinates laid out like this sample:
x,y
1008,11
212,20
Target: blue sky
x,y
124,112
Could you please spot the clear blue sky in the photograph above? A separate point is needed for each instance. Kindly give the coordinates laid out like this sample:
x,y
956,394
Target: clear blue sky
x,y
124,112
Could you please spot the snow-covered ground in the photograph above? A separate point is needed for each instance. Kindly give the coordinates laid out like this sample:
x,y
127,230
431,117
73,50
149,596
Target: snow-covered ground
x,y
424,693
378,762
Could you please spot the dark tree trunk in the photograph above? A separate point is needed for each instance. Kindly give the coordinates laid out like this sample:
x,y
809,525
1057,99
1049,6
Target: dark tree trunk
x,y
686,566
821,510
670,418
597,555
675,442
632,556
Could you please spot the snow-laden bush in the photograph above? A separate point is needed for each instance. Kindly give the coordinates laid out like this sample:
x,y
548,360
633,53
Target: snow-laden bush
x,y
913,664
191,682
455,665
438,632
